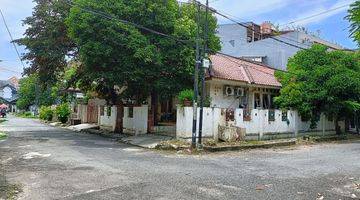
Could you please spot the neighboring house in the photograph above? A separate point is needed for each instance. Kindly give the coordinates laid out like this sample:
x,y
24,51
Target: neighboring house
x,y
238,83
8,92
254,43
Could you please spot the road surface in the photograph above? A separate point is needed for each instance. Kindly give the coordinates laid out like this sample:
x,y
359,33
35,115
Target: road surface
x,y
53,163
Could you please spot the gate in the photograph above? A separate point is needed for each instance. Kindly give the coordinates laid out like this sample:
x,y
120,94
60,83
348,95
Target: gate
x,y
92,112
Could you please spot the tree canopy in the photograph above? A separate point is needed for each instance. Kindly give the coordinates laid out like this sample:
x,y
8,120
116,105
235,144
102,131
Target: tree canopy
x,y
354,18
321,81
114,53
46,41
29,93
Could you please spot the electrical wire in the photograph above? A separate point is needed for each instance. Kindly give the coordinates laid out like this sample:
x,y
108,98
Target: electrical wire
x,y
12,39
315,15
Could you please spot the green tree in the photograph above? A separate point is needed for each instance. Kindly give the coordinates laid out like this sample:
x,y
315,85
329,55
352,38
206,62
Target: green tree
x,y
321,81
29,93
354,18
116,53
46,41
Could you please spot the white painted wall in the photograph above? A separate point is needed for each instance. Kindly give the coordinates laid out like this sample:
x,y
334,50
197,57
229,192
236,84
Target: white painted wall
x,y
218,99
108,122
213,117
259,123
139,123
215,89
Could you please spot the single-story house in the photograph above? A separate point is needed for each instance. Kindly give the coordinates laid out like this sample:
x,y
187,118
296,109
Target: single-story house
x,y
242,102
238,83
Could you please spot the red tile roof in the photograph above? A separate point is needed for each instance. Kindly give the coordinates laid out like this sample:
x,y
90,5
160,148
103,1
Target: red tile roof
x,y
235,69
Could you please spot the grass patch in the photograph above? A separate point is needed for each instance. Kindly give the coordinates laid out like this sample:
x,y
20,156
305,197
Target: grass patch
x,y
309,139
2,120
235,143
172,145
27,115
2,136
10,191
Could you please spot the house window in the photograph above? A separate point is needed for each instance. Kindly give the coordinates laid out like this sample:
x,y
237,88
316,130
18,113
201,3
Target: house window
x,y
102,110
131,112
272,105
108,111
257,100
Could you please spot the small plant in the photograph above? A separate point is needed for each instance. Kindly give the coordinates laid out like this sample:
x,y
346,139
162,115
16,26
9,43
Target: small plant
x,y
207,101
46,113
2,136
185,97
28,114
63,112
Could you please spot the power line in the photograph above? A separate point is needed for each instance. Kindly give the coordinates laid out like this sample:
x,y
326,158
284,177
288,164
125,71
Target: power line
x,y
9,70
245,26
315,15
12,39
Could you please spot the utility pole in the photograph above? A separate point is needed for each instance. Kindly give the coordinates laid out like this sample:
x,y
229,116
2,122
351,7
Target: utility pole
x,y
203,73
196,78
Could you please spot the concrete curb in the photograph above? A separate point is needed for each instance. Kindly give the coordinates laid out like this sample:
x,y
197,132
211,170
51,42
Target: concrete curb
x,y
244,147
115,136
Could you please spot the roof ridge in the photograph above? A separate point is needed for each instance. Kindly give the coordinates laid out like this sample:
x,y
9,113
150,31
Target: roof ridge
x,y
248,74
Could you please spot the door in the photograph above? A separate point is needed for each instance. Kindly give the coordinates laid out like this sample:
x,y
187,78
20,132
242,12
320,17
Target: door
x,y
92,113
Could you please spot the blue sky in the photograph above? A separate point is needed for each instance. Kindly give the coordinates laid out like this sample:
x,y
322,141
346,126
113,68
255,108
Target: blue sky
x,y
332,26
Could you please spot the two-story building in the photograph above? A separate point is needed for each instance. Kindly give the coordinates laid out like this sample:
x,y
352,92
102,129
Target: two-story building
x,y
261,43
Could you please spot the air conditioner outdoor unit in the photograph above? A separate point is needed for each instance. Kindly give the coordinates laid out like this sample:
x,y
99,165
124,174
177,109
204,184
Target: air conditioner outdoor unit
x,y
239,92
229,91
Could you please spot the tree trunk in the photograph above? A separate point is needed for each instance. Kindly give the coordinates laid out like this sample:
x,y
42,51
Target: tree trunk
x,y
357,119
337,127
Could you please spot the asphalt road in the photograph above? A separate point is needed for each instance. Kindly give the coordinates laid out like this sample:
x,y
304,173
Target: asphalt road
x,y
52,163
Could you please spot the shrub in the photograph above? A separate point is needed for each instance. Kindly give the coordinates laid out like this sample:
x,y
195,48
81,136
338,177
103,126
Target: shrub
x,y
46,113
207,101
185,95
28,114
63,112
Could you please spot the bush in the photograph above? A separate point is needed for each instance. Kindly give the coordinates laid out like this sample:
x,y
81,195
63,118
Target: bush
x,y
46,113
63,112
28,114
185,95
207,101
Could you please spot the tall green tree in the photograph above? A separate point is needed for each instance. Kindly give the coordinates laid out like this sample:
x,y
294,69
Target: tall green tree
x,y
354,18
321,81
29,93
116,53
46,41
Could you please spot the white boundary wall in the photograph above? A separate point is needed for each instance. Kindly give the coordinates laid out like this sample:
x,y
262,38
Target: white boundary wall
x,y
138,124
212,119
259,123
108,122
